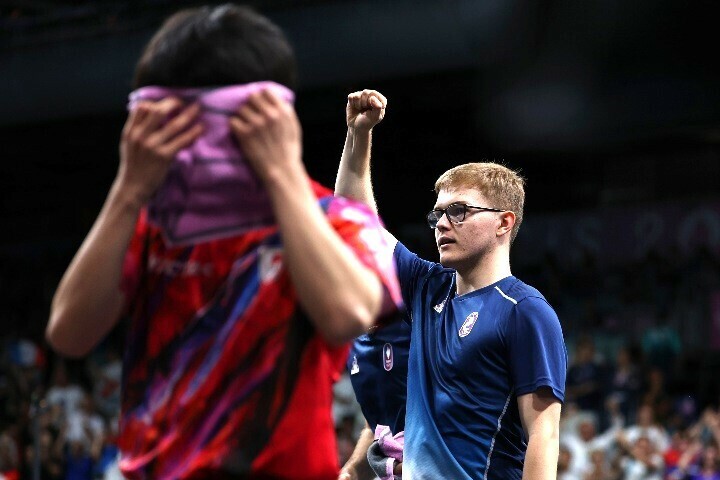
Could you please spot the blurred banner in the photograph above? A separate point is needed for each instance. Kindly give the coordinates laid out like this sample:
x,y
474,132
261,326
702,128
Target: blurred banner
x,y
621,235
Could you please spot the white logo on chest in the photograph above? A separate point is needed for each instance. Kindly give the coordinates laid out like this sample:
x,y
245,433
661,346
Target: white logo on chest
x,y
468,324
355,368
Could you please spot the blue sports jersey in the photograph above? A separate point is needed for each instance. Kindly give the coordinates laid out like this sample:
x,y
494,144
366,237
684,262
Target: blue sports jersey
x,y
471,357
378,366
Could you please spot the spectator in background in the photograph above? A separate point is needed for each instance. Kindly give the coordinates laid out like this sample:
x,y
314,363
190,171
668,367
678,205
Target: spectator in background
x,y
105,369
85,425
9,458
51,457
585,440
676,453
656,395
708,466
62,393
22,365
662,346
700,460
625,383
78,461
647,427
585,378
105,451
599,467
569,419
707,428
642,461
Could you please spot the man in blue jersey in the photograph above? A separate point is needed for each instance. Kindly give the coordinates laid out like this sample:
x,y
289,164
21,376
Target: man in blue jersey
x,y
487,365
378,366
378,360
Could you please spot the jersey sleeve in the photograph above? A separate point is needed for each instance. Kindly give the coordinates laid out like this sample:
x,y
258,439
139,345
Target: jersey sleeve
x,y
363,232
538,357
411,270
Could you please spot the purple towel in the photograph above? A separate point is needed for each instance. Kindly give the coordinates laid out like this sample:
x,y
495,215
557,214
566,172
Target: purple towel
x,y
384,451
210,191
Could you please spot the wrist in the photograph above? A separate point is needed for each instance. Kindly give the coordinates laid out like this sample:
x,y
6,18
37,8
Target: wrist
x,y
358,143
348,473
127,198
288,180
360,130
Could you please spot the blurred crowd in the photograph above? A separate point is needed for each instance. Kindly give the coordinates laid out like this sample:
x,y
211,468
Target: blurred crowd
x,y
59,418
622,422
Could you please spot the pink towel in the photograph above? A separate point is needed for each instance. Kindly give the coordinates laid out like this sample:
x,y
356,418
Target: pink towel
x,y
392,446
210,191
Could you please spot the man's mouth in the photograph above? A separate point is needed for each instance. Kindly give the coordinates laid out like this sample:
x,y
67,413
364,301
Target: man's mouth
x,y
444,241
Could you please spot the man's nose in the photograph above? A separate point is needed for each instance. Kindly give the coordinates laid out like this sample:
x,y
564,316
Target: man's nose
x,y
444,223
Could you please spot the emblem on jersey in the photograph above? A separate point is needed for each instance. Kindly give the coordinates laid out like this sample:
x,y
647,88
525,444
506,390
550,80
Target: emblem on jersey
x,y
468,324
439,307
388,357
354,368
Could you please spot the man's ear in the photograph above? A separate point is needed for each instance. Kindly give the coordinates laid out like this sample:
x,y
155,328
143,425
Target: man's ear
x,y
507,222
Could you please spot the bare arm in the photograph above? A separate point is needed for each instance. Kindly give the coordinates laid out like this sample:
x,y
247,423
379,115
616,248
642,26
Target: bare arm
x,y
357,466
341,296
540,416
88,301
364,110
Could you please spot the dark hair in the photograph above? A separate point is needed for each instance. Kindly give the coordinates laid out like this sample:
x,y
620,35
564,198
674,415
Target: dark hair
x,y
213,46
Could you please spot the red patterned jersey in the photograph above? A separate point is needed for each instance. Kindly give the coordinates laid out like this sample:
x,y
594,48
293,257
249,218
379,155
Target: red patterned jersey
x,y
224,375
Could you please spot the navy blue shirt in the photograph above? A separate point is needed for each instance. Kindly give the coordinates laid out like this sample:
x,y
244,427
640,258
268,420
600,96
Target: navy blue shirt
x,y
471,357
378,366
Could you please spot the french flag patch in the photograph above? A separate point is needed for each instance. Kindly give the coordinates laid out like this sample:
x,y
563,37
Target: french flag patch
x,y
468,324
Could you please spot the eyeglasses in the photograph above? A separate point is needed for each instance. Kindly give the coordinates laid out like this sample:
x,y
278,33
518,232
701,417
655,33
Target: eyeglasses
x,y
455,212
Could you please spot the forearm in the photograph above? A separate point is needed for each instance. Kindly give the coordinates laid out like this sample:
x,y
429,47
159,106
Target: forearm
x,y
341,296
88,301
357,466
540,416
354,179
542,456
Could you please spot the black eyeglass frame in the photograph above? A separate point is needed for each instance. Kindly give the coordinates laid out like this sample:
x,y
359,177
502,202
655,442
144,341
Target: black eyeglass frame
x,y
433,218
